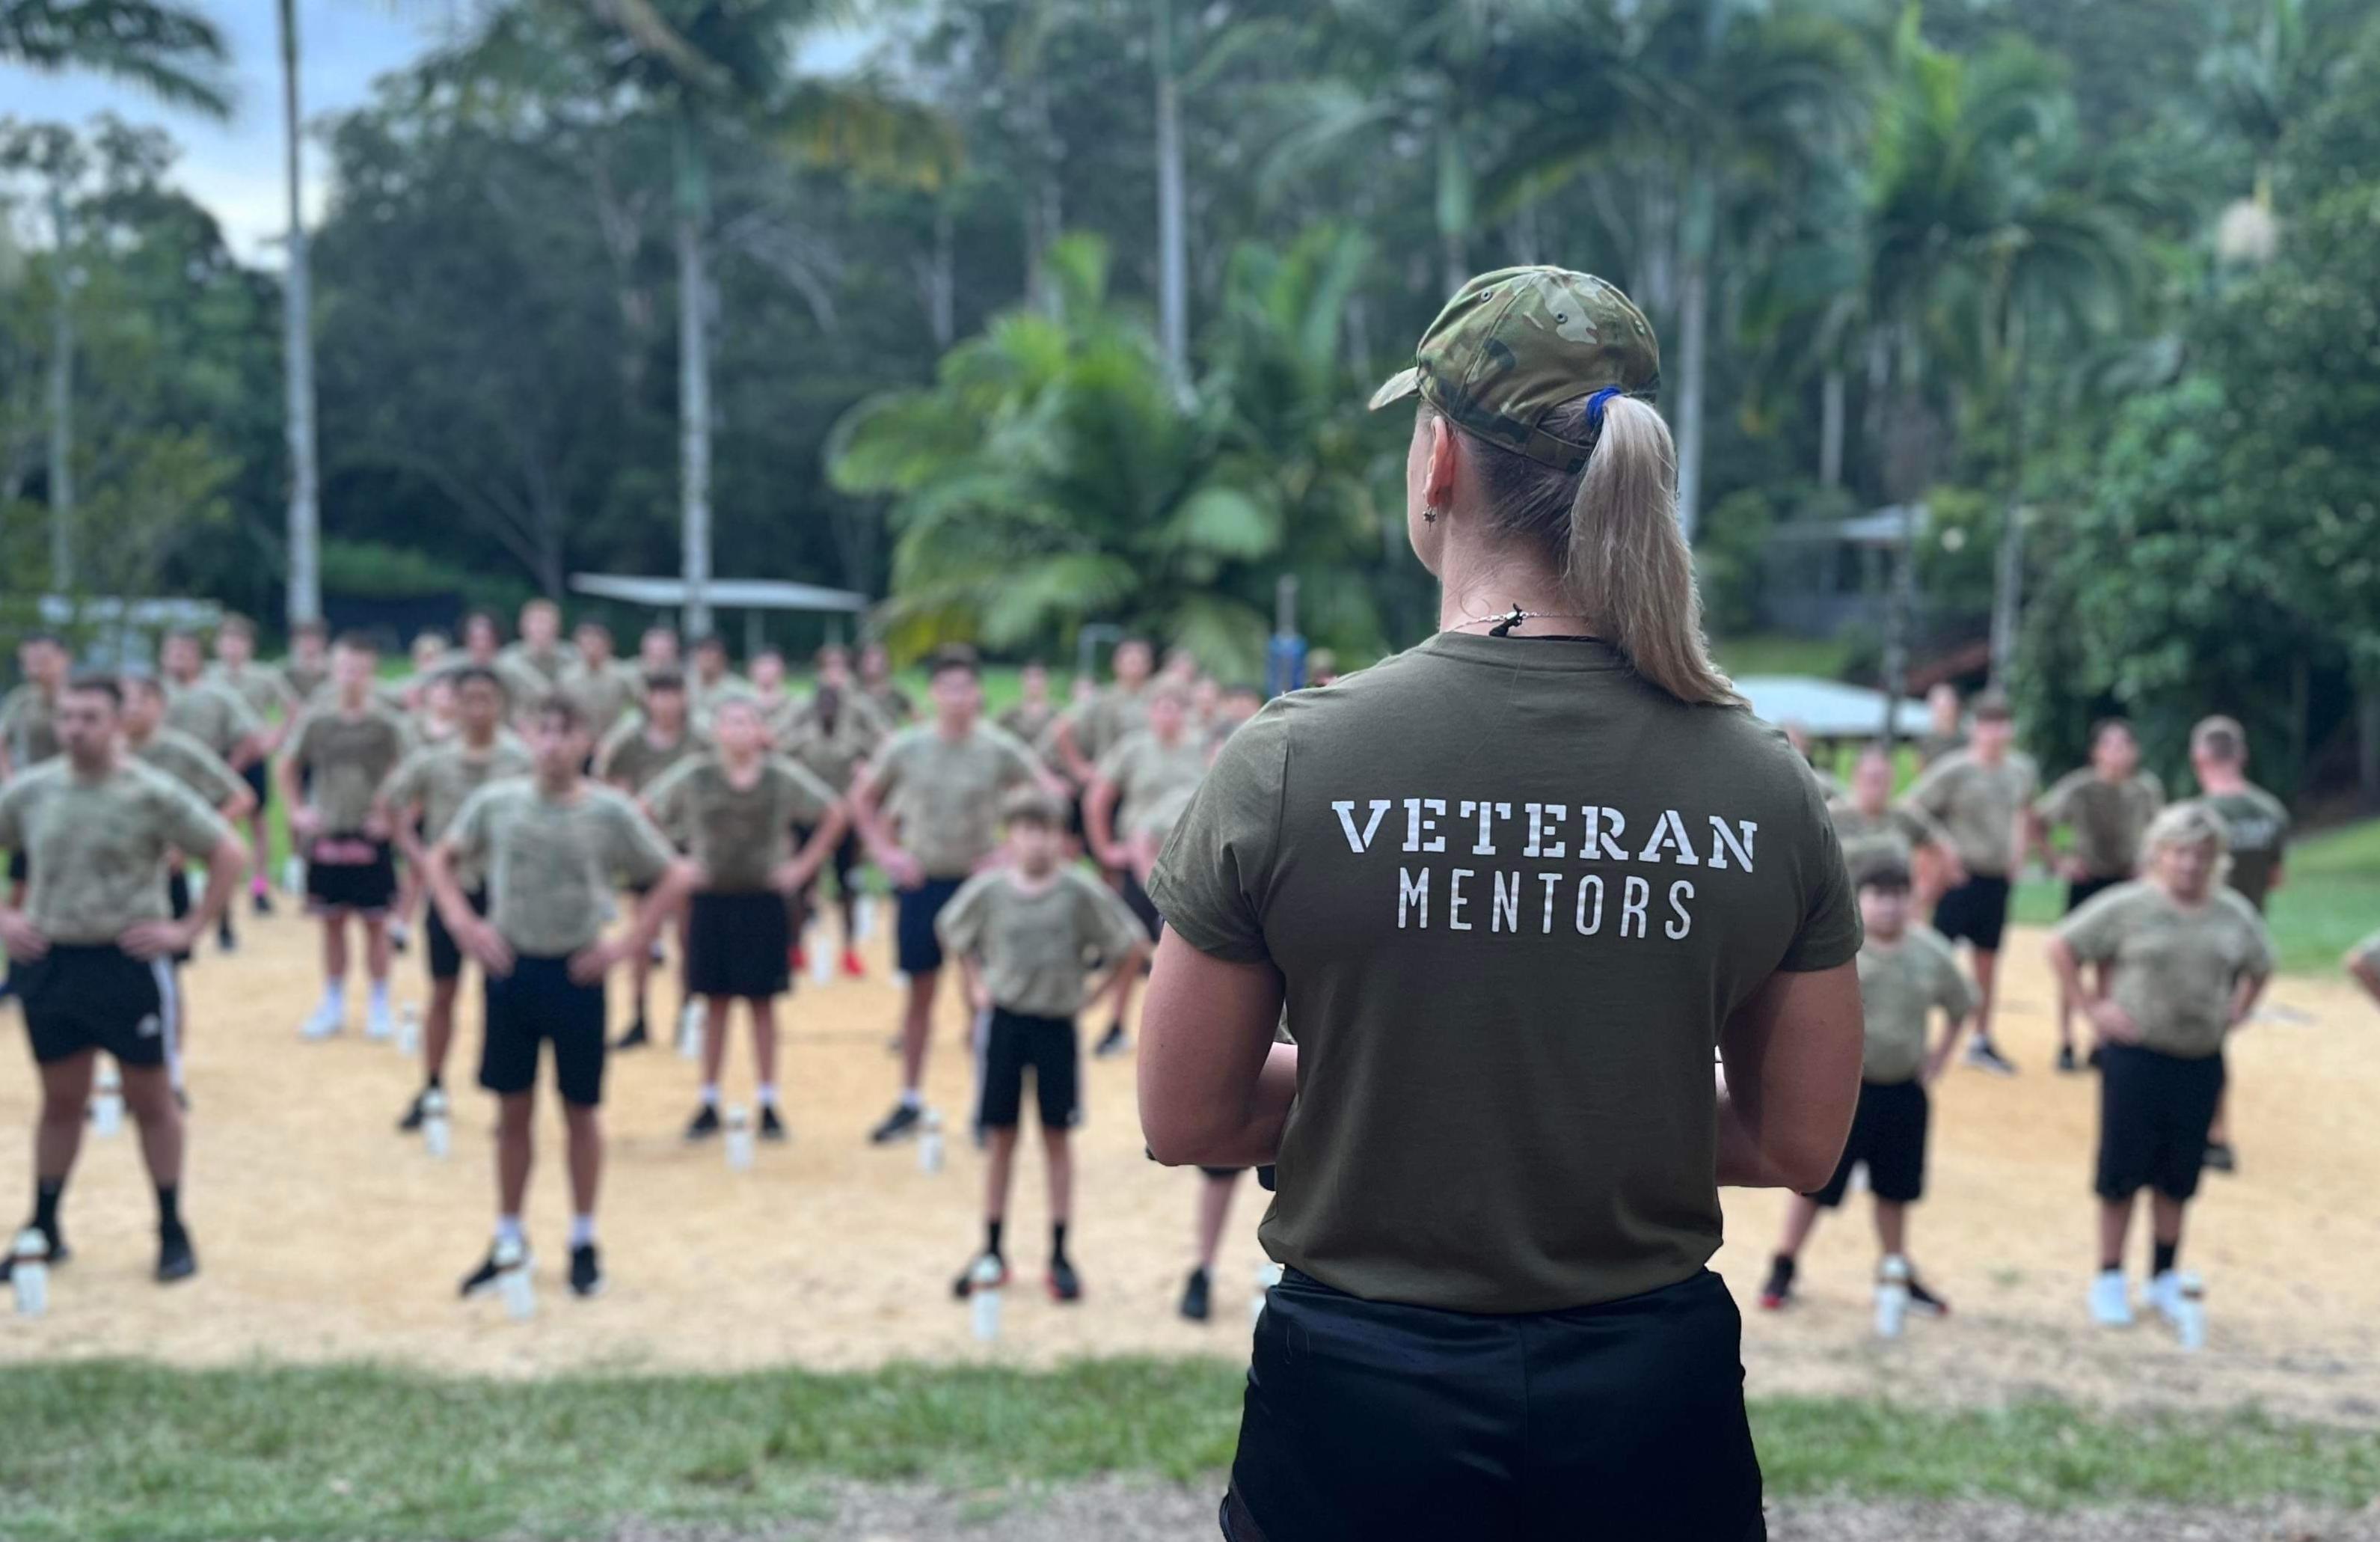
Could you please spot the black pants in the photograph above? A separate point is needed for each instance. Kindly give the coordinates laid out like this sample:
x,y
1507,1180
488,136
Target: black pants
x,y
1368,1422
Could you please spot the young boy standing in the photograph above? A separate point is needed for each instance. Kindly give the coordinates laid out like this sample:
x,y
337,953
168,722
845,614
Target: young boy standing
x,y
1021,935
632,757
1905,973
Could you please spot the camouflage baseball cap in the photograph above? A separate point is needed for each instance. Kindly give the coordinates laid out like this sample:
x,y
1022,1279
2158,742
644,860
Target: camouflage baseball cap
x,y
1514,344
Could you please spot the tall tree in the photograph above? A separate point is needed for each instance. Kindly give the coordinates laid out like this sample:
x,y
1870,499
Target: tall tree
x,y
305,593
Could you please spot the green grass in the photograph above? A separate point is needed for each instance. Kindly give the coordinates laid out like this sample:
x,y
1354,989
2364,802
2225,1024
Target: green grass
x,y
1771,653
121,1450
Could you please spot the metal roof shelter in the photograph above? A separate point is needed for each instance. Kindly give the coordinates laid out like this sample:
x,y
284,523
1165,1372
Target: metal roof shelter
x,y
1830,709
750,595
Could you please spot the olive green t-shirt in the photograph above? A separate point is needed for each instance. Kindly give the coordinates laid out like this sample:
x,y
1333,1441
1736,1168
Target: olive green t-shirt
x,y
1108,719
604,694
261,685
192,764
631,759
551,664
551,863
1514,892
835,754
1034,948
1901,983
944,794
441,779
97,847
1152,780
1870,841
1978,804
891,703
213,715
1932,746
1029,725
524,683
348,758
738,835
2108,818
2258,825
305,680
29,723
2174,966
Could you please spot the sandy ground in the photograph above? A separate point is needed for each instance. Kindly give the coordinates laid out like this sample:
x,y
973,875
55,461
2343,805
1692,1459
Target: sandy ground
x,y
325,1235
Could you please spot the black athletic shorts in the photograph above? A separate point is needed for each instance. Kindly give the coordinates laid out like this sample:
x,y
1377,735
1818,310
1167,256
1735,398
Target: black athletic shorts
x,y
83,997
178,899
260,781
917,948
350,872
1137,900
1976,910
444,954
736,946
537,1003
1368,1419
844,860
2082,891
2153,1110
1012,1041
1889,1134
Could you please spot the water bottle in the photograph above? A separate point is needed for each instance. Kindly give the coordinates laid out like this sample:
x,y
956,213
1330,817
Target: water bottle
x,y
2191,1321
437,1133
983,1297
1268,1276
1891,1296
408,1030
293,875
690,1032
930,1144
821,958
513,1281
29,1271
863,924
108,1100
739,1141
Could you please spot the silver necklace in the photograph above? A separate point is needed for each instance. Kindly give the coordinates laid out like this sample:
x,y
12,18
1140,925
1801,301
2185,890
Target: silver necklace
x,y
1505,621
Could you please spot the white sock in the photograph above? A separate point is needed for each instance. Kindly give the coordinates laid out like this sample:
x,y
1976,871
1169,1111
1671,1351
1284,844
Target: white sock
x,y
711,1094
768,1094
909,1099
509,1229
380,998
335,998
582,1231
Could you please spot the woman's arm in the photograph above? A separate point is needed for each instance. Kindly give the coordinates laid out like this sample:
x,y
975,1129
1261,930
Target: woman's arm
x,y
1215,1089
1791,1056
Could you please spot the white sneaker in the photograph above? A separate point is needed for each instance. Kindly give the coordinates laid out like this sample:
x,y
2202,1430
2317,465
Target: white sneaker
x,y
327,1022
2111,1300
2165,1294
378,1026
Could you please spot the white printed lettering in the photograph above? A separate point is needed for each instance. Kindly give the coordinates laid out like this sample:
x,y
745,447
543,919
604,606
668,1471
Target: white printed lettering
x,y
1417,827
1359,844
1455,900
1589,925
1604,828
1487,812
1506,914
1413,893
1672,828
1635,895
1543,818
1552,882
1680,892
1725,841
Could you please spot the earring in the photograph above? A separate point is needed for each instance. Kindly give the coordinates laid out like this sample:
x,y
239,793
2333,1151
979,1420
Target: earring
x,y
1429,516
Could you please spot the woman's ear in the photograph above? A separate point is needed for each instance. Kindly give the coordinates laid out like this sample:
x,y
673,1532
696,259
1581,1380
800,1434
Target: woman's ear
x,y
1437,473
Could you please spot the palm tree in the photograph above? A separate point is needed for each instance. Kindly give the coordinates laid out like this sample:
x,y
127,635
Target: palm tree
x,y
304,602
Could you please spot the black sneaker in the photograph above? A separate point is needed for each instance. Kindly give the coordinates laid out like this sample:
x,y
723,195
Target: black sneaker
x,y
901,1123
1195,1294
1924,1302
635,1038
1064,1283
400,937
411,1123
2220,1157
704,1124
2066,1061
1111,1042
262,901
175,1258
226,939
772,1128
59,1253
586,1272
964,1286
1780,1289
479,1281
1983,1055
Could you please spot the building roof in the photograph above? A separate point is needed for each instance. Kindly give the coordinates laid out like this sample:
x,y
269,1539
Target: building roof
x,y
669,594
1830,709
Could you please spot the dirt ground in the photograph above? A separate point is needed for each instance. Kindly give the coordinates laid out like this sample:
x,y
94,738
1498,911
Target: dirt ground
x,y
324,1235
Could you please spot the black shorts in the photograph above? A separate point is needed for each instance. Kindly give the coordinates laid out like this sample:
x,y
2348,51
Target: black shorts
x,y
96,995
2082,891
1365,1420
178,899
736,946
1012,1041
260,781
1137,900
350,872
536,1002
2153,1110
1889,1134
917,948
444,954
845,861
1976,910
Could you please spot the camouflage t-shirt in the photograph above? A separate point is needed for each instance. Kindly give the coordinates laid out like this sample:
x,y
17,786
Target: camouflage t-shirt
x,y
2258,824
1978,804
944,794
441,779
738,835
1153,780
551,664
1108,719
1036,946
834,755
2174,966
213,715
1932,746
1871,841
261,685
27,721
604,694
192,764
348,758
1029,725
98,848
2108,818
305,681
630,758
702,697
552,864
891,703
1901,983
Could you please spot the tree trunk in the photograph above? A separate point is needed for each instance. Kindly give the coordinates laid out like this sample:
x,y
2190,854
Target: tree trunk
x,y
304,602
2367,741
1696,235
1830,429
1897,616
943,297
1045,215
2008,588
1172,232
62,491
693,383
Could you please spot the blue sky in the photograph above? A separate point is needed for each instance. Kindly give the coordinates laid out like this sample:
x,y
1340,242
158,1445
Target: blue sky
x,y
235,168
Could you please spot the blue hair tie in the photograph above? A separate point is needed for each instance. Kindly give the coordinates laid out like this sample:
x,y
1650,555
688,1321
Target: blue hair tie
x,y
1595,407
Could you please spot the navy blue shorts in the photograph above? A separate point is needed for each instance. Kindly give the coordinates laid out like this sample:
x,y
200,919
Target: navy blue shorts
x,y
919,951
